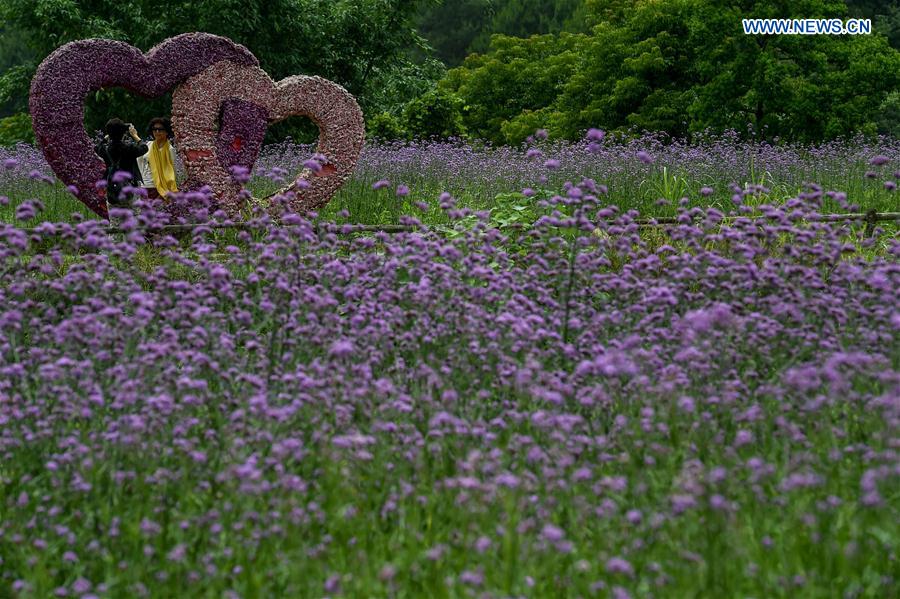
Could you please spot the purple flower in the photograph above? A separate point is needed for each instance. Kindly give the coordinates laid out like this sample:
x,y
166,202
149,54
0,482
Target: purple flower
x,y
644,157
595,134
482,544
470,578
333,584
879,160
402,191
617,565
686,404
341,348
178,553
552,533
313,165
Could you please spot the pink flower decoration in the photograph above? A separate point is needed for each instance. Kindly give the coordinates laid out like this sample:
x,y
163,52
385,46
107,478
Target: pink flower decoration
x,y
69,74
195,108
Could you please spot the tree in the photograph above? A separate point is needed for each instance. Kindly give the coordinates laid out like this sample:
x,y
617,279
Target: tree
x,y
885,15
16,60
435,114
517,75
457,28
797,87
681,66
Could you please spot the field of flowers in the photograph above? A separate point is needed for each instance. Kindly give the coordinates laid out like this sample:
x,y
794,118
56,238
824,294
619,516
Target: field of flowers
x,y
583,407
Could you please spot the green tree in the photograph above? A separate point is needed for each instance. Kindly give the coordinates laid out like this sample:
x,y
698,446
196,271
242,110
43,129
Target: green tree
x,y
16,61
885,15
451,26
523,18
516,76
457,28
681,66
637,73
435,114
797,87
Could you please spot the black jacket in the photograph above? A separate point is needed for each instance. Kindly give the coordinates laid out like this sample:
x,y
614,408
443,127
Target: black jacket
x,y
125,153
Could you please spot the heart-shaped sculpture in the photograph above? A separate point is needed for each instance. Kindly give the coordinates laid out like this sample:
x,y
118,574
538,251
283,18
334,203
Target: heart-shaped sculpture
x,y
197,102
74,70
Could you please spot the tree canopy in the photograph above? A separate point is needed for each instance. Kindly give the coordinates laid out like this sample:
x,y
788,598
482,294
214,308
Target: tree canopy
x,y
680,66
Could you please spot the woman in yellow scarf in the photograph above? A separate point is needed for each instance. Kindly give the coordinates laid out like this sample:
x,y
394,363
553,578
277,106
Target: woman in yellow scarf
x,y
158,164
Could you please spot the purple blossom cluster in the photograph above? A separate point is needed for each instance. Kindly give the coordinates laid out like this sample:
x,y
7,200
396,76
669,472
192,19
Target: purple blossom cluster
x,y
633,169
65,78
586,409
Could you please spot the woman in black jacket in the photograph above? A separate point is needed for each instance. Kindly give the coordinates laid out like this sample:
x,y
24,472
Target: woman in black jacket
x,y
121,153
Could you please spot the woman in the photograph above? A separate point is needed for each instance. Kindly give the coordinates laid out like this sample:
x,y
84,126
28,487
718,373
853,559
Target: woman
x,y
158,164
120,154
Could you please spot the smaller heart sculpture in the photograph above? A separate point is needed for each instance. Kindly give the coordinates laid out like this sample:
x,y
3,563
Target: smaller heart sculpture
x,y
65,78
196,104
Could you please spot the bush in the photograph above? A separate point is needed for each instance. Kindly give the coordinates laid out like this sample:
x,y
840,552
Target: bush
x,y
434,114
888,121
16,128
384,126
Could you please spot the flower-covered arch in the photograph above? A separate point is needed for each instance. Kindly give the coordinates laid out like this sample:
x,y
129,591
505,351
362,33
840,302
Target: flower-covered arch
x,y
68,75
196,104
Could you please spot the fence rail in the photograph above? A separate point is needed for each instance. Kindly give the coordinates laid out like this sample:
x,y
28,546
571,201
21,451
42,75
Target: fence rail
x,y
871,218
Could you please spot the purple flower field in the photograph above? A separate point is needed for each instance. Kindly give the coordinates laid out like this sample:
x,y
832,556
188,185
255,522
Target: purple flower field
x,y
584,408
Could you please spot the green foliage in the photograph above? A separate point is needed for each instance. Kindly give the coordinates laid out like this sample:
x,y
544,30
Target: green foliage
x,y
888,122
457,28
13,81
16,128
517,76
451,26
885,15
523,18
435,114
359,44
680,66
796,87
15,54
384,126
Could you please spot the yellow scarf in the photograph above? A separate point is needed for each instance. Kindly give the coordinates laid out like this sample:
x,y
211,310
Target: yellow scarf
x,y
162,168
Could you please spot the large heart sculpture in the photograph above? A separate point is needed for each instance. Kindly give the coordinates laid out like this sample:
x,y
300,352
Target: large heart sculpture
x,y
69,74
196,105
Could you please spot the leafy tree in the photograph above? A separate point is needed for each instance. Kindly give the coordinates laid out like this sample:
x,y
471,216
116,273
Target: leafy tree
x,y
885,15
16,128
680,66
384,126
451,26
15,58
517,75
457,28
798,87
888,119
634,74
435,114
523,18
